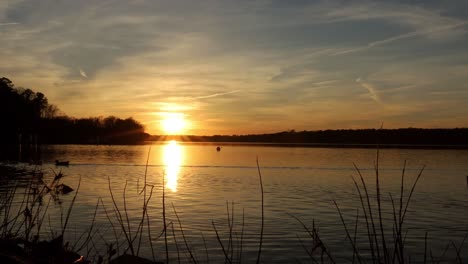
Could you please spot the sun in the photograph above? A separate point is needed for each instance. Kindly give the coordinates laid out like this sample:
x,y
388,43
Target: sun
x,y
173,124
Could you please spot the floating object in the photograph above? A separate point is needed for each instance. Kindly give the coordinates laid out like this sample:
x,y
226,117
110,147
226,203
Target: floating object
x,y
62,163
218,148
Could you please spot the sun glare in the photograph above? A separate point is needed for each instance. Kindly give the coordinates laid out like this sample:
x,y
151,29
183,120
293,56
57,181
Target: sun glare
x,y
173,124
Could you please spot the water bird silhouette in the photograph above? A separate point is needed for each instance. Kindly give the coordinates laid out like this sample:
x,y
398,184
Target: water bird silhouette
x,y
62,163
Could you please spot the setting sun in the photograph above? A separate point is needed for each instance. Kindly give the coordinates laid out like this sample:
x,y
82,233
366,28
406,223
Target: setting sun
x,y
174,123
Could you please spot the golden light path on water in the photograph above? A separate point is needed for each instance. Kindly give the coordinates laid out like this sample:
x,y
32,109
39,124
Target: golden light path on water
x,y
172,159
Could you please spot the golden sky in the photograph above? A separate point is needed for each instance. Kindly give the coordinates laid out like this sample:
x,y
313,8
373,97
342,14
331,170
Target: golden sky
x,y
235,67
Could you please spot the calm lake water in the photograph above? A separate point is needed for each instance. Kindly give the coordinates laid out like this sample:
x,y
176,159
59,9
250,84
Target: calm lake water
x,y
205,187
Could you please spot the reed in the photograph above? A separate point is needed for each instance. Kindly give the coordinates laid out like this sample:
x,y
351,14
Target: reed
x,y
263,214
318,246
164,218
23,223
187,247
379,244
226,255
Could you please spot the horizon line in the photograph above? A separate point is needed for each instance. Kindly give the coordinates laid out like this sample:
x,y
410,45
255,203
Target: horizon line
x,y
300,131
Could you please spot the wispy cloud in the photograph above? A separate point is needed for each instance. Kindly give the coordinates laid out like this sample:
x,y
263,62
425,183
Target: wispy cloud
x,y
8,24
426,32
373,93
216,94
83,73
417,17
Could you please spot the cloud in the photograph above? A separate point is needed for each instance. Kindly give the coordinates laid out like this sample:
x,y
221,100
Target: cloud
x,y
402,36
426,32
411,16
371,89
83,73
216,94
8,24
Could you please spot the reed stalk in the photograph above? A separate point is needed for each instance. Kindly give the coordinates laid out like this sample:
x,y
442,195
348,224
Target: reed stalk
x,y
226,256
164,217
263,214
187,247
120,220
71,207
206,249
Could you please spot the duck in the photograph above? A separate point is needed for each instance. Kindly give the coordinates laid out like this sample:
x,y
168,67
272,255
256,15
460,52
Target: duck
x,y
62,163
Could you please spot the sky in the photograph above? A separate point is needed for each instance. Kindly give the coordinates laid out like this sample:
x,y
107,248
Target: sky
x,y
238,67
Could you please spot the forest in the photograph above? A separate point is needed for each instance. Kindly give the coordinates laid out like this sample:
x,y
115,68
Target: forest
x,y
28,118
402,137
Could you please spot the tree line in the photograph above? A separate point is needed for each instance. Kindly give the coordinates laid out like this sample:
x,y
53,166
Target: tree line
x,y
403,137
28,118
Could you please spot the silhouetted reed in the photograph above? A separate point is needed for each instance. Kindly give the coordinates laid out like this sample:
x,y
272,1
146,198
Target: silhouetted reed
x,y
263,214
134,239
22,223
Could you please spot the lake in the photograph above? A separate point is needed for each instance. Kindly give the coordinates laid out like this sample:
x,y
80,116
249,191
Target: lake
x,y
222,188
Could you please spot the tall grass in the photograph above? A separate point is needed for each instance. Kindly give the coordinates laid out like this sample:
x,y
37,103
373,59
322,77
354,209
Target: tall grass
x,y
380,244
383,245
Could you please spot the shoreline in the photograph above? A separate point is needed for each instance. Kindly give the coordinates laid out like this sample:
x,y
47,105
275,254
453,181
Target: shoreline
x,y
318,145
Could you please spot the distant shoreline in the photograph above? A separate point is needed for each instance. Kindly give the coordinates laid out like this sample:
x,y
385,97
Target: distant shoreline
x,y
318,145
403,138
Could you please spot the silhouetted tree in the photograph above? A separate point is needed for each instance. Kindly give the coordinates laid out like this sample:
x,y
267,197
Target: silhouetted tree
x,y
20,112
51,111
27,116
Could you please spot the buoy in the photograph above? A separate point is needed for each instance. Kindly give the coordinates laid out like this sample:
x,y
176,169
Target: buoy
x,y
219,149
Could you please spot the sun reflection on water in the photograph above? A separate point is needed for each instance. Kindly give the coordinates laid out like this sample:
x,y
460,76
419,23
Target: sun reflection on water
x,y
172,159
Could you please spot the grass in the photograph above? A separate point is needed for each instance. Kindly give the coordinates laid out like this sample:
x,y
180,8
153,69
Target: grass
x,y
23,214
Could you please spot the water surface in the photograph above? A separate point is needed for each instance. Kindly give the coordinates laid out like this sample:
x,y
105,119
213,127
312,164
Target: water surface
x,y
202,184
